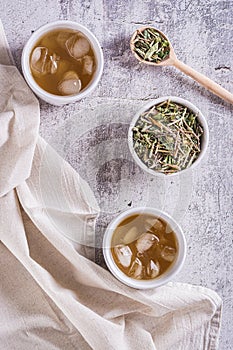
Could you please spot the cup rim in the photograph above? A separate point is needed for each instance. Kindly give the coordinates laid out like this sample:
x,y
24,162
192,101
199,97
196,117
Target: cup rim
x,y
144,284
191,106
60,99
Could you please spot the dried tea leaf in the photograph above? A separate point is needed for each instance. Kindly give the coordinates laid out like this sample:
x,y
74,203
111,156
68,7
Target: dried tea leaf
x,y
167,137
150,45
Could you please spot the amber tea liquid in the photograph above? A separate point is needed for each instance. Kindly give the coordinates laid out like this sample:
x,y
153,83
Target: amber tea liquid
x,y
144,247
63,62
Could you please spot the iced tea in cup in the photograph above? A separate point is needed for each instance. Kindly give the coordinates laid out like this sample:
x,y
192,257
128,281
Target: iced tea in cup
x,y
62,62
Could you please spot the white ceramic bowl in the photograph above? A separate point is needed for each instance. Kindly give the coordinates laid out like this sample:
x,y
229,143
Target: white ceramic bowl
x,y
201,118
44,95
166,276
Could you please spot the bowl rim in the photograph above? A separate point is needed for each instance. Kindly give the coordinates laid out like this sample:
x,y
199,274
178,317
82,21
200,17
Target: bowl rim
x,y
186,103
144,284
35,36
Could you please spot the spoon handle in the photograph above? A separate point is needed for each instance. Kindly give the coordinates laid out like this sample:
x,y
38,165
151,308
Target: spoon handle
x,y
203,80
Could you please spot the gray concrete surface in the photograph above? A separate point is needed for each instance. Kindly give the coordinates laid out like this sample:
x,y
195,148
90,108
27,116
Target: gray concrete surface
x,y
92,134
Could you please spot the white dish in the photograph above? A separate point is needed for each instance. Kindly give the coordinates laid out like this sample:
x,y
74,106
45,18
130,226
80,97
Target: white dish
x,y
201,118
44,95
162,279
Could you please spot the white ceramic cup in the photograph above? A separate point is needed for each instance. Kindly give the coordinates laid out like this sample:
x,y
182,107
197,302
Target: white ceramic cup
x,y
44,95
167,275
201,118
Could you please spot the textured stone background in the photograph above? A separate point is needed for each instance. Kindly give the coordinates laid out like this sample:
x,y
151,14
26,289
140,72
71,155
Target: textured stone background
x,y
92,134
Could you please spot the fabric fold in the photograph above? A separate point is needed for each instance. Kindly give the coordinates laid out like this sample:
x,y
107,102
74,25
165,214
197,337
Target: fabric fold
x,y
19,129
57,195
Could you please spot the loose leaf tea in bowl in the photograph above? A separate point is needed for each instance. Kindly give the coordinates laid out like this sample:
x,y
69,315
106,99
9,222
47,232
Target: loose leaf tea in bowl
x,y
150,45
168,137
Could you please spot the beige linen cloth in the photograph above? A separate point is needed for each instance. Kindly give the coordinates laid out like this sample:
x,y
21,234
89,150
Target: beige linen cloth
x,y
51,296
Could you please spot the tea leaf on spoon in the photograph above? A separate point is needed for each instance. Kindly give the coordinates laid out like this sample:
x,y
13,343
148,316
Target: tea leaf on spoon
x,y
150,45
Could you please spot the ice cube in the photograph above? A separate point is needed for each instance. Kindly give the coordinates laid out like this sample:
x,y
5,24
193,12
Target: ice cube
x,y
131,235
88,65
153,269
42,63
168,229
136,269
38,59
77,46
146,241
154,225
124,254
168,253
52,64
70,84
62,38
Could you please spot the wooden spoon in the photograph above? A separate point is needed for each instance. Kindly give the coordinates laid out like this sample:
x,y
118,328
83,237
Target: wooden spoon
x,y
172,60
